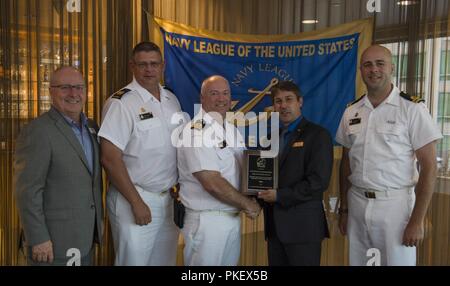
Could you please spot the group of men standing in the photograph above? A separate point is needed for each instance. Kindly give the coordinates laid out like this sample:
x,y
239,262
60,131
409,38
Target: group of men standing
x,y
58,173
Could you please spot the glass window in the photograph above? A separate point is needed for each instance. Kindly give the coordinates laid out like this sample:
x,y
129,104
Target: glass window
x,y
445,64
432,83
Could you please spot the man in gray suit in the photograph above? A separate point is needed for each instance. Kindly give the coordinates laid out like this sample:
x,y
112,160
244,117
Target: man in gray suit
x,y
58,178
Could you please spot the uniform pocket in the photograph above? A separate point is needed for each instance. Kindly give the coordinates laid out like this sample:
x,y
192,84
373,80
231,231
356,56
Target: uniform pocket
x,y
389,133
353,132
147,124
354,129
150,133
224,154
391,130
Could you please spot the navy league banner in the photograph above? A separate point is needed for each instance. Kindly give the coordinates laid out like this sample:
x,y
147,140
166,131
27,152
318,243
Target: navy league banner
x,y
323,64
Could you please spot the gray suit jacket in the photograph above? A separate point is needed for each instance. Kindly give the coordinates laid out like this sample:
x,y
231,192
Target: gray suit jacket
x,y
57,197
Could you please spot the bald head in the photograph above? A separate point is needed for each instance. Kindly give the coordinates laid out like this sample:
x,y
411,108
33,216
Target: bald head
x,y
64,72
212,79
216,95
68,92
379,50
377,70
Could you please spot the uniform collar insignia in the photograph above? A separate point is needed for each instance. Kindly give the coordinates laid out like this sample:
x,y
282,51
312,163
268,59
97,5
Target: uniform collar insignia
x,y
223,144
198,125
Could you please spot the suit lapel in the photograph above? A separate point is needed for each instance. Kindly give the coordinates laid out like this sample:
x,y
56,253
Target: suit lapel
x,y
96,153
297,132
67,132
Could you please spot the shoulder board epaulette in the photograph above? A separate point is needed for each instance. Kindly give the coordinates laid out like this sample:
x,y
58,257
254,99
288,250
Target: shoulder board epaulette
x,y
168,88
356,100
198,125
415,99
120,93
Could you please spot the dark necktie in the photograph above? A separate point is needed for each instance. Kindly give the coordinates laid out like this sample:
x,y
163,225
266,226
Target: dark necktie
x,y
283,132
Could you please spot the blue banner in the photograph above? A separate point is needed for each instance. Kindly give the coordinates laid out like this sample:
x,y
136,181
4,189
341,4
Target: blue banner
x,y
324,69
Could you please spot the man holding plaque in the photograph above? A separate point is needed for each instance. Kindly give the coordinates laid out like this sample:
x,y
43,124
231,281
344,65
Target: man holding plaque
x,y
209,155
294,218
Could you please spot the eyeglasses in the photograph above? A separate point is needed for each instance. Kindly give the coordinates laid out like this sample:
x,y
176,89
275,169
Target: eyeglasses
x,y
68,87
144,65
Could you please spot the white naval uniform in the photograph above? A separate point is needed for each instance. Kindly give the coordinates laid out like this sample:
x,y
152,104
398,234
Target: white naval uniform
x,y
140,126
382,142
212,229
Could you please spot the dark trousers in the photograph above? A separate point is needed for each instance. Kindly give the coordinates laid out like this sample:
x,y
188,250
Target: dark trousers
x,y
280,254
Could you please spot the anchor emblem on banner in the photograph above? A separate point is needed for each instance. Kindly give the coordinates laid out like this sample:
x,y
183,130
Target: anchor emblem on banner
x,y
239,118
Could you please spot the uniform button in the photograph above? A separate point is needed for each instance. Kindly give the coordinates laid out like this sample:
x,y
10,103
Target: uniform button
x,y
92,206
